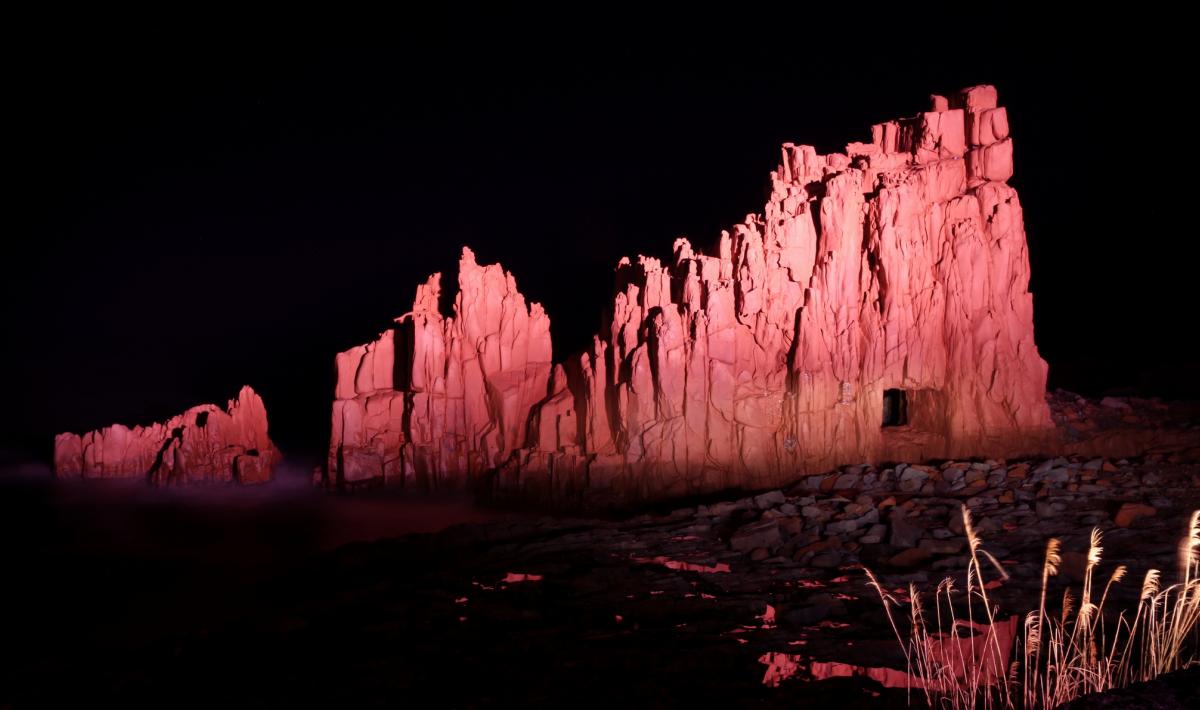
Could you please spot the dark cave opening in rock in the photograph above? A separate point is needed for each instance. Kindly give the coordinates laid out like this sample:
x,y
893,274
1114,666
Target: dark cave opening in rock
x,y
895,407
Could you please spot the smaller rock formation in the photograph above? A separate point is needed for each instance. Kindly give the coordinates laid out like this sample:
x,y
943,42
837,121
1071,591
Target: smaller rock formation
x,y
439,399
205,444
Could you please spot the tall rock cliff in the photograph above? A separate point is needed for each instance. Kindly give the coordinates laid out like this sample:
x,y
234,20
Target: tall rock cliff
x,y
877,308
205,444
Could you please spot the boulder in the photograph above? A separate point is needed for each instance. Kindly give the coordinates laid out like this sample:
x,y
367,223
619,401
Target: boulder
x,y
764,533
1131,512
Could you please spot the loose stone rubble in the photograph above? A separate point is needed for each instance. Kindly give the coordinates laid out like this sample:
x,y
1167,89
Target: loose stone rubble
x,y
777,577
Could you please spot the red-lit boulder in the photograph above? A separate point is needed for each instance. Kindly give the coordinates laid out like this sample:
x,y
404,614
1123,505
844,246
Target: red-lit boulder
x,y
205,444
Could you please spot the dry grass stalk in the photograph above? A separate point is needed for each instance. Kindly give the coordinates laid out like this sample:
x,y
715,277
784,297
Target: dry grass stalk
x,y
1061,656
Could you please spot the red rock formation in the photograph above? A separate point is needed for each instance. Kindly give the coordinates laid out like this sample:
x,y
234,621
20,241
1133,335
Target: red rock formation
x,y
982,657
457,401
205,444
876,309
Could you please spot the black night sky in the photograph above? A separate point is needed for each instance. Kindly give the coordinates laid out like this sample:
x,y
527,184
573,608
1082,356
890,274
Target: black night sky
x,y
196,212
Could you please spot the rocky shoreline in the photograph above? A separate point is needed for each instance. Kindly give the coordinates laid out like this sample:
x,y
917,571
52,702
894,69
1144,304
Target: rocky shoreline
x,y
729,599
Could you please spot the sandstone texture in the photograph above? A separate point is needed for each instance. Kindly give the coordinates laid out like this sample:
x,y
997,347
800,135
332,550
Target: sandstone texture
x,y
205,444
438,399
877,308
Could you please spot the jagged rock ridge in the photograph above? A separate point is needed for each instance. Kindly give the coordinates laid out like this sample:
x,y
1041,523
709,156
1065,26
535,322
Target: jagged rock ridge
x,y
877,308
205,444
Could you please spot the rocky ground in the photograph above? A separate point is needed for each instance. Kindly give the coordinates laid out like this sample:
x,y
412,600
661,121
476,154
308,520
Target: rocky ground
x,y
264,597
1119,425
728,600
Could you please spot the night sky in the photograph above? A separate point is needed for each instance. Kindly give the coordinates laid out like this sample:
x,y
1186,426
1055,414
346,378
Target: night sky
x,y
197,212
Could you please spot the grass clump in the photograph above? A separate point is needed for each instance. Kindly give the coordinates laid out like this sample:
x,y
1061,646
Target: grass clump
x,y
961,655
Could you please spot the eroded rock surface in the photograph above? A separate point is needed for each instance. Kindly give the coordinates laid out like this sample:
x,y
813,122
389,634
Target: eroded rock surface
x,y
876,309
205,444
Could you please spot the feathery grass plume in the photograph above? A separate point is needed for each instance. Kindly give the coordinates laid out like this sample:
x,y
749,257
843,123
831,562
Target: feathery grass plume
x,y
915,596
1180,606
946,585
1066,606
1150,585
1066,654
920,665
1117,575
1189,550
1033,634
1049,569
992,641
887,600
1053,559
969,529
1086,610
1083,634
1094,548
1093,559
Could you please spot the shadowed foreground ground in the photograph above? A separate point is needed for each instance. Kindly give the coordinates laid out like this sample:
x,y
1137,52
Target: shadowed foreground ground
x,y
153,598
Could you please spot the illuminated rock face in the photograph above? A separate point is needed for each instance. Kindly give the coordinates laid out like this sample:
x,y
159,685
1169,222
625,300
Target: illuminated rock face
x,y
877,309
205,444
437,400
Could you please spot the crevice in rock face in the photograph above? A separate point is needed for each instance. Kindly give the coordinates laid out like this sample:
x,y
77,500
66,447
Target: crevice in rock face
x,y
579,394
201,419
403,359
406,421
176,436
611,398
650,327
875,264
816,191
